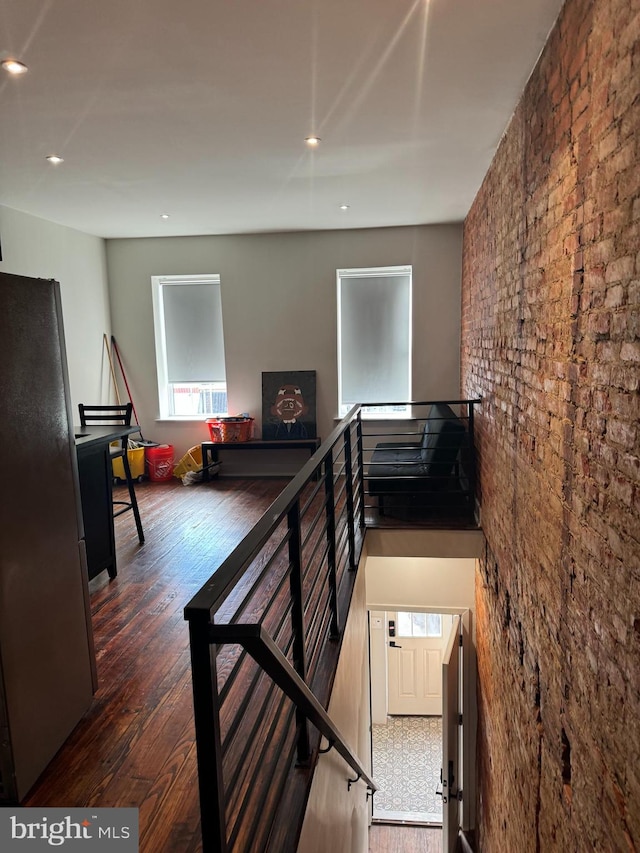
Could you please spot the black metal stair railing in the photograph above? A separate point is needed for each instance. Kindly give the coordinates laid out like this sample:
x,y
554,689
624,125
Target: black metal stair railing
x,y
271,660
265,629
265,635
421,468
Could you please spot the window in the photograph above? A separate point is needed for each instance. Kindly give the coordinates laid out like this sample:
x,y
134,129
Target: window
x,y
374,339
187,316
419,624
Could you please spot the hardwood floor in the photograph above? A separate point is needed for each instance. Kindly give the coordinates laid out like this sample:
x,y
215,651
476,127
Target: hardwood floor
x,y
135,746
385,838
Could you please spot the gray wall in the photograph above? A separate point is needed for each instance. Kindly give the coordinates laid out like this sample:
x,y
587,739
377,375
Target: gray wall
x,y
279,303
41,249
279,307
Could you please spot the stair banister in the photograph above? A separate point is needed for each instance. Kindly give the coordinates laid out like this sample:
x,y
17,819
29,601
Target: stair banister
x,y
269,658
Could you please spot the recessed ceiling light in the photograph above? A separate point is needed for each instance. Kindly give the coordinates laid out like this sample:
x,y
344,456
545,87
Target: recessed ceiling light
x,y
312,141
164,216
13,66
53,158
345,206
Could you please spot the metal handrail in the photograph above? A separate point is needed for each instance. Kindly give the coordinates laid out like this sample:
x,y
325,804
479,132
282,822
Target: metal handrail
x,y
269,658
212,594
317,521
474,401
329,465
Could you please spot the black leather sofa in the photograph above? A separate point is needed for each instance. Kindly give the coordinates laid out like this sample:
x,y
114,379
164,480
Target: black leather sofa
x,y
429,476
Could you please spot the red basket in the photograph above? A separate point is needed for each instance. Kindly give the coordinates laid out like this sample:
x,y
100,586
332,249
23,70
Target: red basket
x,y
230,429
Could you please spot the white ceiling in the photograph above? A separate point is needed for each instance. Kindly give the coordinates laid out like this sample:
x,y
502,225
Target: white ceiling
x,y
199,109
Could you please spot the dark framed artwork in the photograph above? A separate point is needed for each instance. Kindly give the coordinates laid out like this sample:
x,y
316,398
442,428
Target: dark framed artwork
x,y
288,404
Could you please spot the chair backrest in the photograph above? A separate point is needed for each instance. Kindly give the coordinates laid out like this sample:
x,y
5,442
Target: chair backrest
x,y
443,436
120,414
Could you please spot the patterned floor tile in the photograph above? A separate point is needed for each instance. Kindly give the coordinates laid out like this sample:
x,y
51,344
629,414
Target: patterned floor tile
x,y
407,753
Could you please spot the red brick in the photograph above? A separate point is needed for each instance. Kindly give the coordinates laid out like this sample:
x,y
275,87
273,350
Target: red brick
x,y
559,433
630,351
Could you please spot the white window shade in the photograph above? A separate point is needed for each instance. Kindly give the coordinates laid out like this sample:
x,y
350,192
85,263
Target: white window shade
x,y
188,327
193,332
375,337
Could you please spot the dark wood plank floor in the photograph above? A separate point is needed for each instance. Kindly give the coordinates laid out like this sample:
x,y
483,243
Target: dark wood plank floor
x,y
135,746
385,838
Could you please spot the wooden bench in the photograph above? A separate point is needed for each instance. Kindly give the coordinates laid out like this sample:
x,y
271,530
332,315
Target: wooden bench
x,y
210,449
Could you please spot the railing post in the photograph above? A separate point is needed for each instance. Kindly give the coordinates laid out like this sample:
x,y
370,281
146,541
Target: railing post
x,y
206,708
360,467
330,510
472,454
348,464
297,623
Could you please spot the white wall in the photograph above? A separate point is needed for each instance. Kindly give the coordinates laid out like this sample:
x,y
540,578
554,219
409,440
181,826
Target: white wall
x,y
41,249
438,584
279,307
337,818
435,584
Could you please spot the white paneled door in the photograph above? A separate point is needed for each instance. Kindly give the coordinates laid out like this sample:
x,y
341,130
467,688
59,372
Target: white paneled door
x,y
415,663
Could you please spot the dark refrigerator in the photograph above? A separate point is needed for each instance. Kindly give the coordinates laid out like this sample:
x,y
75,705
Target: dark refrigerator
x,y
47,659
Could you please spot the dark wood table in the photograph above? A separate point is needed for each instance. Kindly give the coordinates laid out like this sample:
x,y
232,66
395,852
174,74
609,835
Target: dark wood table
x,y
210,449
96,493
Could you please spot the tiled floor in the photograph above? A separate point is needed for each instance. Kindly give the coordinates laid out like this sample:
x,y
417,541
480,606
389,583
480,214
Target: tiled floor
x,y
407,753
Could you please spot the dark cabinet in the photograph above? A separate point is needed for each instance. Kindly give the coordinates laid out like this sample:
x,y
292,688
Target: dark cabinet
x,y
96,479
94,468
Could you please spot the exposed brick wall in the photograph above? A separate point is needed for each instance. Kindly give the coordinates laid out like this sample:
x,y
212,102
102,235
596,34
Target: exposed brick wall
x,y
551,342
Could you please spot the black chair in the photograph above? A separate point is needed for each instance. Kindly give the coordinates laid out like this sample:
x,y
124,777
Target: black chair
x,y
121,414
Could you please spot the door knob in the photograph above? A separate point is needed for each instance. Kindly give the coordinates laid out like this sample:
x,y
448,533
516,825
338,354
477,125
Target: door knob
x,y
394,645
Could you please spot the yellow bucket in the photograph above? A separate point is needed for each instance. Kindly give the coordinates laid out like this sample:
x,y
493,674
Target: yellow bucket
x,y
191,461
136,463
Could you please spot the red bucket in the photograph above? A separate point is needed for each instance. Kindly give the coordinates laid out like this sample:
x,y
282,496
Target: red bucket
x,y
159,462
229,430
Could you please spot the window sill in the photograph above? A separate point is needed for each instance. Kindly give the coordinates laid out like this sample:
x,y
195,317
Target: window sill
x,y
186,419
